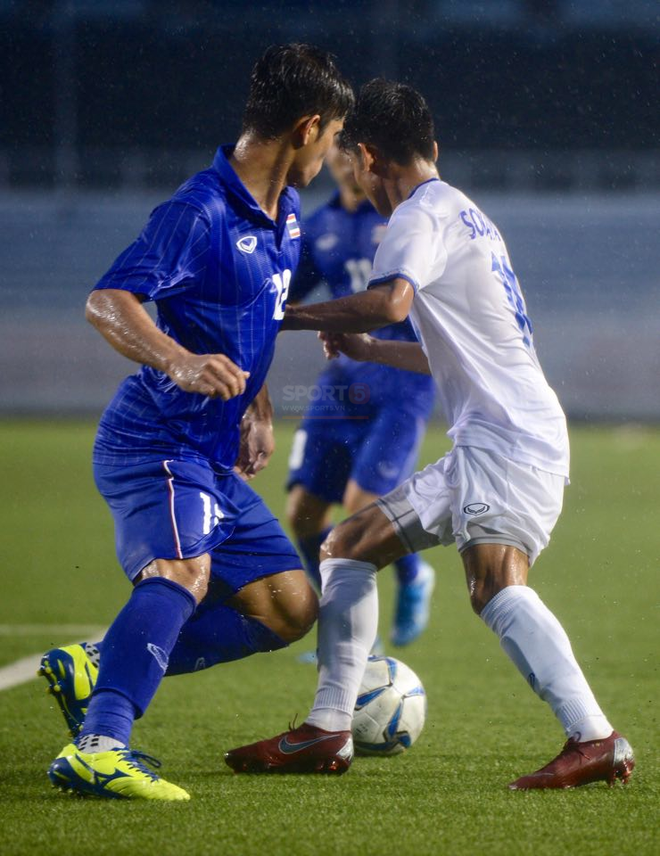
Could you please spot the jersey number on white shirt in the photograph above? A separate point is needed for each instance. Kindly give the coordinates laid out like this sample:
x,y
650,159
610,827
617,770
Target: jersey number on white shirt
x,y
509,280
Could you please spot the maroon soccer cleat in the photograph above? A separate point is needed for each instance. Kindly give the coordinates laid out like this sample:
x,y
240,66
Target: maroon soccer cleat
x,y
578,764
305,749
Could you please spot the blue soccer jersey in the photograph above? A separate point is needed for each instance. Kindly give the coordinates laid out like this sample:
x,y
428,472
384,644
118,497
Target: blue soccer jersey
x,y
368,419
218,269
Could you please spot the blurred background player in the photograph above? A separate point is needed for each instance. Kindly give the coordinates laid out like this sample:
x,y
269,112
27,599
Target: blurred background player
x,y
215,578
361,437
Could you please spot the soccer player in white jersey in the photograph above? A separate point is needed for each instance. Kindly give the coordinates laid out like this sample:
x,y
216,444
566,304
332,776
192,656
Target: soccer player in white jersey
x,y
496,495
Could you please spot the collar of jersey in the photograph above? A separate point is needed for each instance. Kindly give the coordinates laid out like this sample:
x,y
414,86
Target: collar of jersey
x,y
421,184
233,183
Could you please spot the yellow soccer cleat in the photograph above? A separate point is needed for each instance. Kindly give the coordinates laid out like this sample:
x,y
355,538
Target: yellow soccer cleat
x,y
71,676
117,774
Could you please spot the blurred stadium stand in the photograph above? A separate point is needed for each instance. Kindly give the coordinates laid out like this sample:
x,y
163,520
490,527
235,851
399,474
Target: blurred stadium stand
x,y
546,110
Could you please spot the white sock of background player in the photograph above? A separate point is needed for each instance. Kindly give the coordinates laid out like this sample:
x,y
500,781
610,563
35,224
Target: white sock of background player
x,y
538,645
347,627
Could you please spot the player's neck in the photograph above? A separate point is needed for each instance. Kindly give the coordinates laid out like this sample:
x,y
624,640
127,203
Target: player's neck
x,y
403,180
350,200
262,166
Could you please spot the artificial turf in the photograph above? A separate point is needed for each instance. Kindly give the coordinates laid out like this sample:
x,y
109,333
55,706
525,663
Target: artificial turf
x,y
448,794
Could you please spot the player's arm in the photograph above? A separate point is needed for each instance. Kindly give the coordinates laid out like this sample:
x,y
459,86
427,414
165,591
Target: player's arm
x,y
121,319
364,348
257,438
383,304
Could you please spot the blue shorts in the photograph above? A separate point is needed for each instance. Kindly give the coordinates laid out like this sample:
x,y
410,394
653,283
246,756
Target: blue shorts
x,y
181,509
378,453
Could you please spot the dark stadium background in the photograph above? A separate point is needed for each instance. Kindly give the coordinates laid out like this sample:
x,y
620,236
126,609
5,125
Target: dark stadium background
x,y
546,111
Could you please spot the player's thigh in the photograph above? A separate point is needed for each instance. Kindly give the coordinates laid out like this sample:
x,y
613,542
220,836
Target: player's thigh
x,y
367,536
500,501
165,512
307,513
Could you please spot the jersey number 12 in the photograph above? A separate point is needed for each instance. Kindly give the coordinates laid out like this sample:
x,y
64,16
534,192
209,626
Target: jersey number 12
x,y
282,282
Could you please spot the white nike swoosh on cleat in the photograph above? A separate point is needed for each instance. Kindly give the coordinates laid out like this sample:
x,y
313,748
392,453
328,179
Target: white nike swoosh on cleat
x,y
289,748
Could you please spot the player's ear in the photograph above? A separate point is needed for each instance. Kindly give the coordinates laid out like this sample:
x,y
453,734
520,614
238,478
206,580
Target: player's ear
x,y
373,160
306,130
367,156
435,150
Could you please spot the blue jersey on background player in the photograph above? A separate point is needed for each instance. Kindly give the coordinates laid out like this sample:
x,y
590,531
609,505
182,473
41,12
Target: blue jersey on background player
x,y
360,438
215,577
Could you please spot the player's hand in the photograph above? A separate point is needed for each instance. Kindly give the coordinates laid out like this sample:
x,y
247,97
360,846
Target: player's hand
x,y
256,446
214,375
357,346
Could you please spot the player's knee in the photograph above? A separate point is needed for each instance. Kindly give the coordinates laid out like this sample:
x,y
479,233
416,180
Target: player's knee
x,y
299,616
343,542
192,574
305,516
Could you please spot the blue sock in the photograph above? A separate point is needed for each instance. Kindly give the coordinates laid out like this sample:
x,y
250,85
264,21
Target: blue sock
x,y
135,655
218,634
310,548
407,568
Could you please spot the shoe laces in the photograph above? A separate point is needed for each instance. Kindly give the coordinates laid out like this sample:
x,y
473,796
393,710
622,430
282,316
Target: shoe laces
x,y
138,761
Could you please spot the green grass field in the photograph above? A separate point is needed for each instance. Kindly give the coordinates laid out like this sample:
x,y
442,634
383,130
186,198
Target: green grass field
x,y
448,795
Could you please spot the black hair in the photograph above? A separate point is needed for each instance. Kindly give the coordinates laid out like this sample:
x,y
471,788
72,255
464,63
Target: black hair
x,y
393,117
292,81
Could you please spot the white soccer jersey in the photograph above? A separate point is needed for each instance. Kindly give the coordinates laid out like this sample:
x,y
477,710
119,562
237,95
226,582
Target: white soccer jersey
x,y
471,320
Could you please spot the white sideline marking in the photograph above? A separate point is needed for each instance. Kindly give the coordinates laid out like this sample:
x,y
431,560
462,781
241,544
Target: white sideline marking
x,y
47,629
24,670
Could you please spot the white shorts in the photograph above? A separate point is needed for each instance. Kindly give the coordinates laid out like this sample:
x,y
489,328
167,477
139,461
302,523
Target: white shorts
x,y
475,496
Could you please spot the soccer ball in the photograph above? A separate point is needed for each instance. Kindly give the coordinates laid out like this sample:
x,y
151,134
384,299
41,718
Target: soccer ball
x,y
391,708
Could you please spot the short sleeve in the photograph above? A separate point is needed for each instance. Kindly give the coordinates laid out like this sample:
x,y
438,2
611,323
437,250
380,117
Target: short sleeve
x,y
412,248
169,256
307,277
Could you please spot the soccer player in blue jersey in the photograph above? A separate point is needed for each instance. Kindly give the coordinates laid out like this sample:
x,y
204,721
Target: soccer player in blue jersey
x,y
215,578
361,438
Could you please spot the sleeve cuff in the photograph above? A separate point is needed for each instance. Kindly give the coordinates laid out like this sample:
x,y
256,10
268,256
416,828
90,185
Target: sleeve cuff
x,y
395,274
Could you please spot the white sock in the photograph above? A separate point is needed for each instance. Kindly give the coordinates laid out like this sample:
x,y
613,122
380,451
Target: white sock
x,y
539,647
348,623
93,743
93,653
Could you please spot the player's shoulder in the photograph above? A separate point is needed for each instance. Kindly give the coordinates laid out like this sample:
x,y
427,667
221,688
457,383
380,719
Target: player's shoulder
x,y
204,193
430,204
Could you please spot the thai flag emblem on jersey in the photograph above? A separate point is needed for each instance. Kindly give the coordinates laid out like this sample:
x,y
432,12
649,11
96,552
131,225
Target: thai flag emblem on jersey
x,y
292,226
